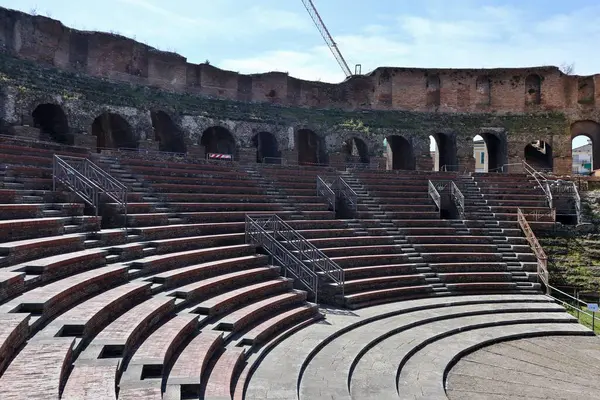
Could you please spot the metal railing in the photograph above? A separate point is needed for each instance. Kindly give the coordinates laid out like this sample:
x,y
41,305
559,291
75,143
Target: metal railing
x,y
561,189
103,182
259,231
305,251
542,259
70,177
324,190
435,195
569,304
537,176
458,198
345,192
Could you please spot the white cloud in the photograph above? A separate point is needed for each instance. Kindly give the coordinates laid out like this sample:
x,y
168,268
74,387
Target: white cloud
x,y
480,37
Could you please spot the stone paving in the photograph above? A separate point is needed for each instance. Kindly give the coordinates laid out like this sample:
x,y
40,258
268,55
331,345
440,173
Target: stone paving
x,y
358,354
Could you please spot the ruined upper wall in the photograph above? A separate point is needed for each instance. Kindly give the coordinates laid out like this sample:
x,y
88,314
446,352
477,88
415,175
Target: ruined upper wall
x,y
515,90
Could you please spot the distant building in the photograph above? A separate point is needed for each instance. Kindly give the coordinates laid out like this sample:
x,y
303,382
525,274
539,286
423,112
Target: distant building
x,y
582,159
480,156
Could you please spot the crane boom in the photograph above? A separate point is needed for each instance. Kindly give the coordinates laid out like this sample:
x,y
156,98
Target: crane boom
x,y
314,14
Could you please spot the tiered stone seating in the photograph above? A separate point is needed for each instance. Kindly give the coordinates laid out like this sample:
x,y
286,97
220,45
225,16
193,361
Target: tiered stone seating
x,y
497,196
433,256
366,354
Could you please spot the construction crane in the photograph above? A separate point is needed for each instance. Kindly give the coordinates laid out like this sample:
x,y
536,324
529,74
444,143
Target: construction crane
x,y
314,14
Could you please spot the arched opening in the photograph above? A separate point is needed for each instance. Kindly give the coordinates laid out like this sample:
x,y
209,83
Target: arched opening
x,y
356,151
218,140
489,151
311,148
533,89
266,148
166,133
399,153
538,154
443,152
52,122
483,87
113,132
433,91
585,137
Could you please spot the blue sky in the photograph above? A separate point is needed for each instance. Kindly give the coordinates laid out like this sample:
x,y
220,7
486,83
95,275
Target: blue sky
x,y
252,36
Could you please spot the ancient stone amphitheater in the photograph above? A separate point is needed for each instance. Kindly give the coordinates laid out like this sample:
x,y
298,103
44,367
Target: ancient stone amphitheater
x,y
177,231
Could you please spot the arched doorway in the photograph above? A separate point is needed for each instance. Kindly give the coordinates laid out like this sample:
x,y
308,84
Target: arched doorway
x,y
218,140
52,122
311,148
356,151
489,151
166,133
267,150
538,154
443,152
585,140
399,153
113,132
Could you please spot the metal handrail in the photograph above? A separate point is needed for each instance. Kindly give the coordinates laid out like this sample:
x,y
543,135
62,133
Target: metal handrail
x,y
531,171
435,195
324,190
306,251
459,199
256,234
346,192
577,202
104,181
542,259
63,172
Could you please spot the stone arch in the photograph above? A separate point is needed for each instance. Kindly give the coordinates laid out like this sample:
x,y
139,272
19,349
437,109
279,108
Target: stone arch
x,y
538,154
113,132
167,133
591,130
533,89
586,90
432,87
399,153
495,151
445,153
52,122
267,148
483,87
218,139
356,150
311,147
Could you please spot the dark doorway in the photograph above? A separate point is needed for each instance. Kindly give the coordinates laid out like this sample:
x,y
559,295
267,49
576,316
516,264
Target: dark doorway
x,y
266,148
218,140
52,122
356,151
311,148
166,133
113,132
538,154
401,153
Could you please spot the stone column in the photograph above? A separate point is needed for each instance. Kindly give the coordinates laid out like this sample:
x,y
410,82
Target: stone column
x,y
378,162
466,163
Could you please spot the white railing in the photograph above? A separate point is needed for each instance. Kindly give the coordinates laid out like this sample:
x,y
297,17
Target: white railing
x,y
458,198
324,190
435,195
537,176
345,192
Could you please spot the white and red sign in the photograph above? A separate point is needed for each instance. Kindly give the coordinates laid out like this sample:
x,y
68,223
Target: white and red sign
x,y
217,156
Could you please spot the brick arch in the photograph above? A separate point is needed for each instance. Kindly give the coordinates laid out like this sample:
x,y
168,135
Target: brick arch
x,y
400,153
311,147
267,147
52,121
113,131
356,150
167,133
496,147
446,151
219,139
590,129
